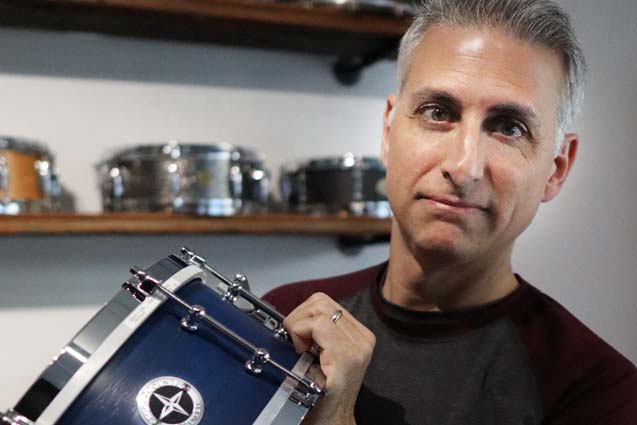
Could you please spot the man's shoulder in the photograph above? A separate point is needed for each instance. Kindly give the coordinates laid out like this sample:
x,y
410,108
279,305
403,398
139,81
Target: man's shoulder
x,y
579,373
287,297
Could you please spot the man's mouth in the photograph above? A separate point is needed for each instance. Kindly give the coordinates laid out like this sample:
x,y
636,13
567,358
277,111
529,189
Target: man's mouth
x,y
450,202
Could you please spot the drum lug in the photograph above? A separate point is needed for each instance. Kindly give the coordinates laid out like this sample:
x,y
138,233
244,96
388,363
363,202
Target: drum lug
x,y
271,323
259,359
117,184
303,398
14,418
43,169
239,287
4,180
242,281
236,182
174,177
135,288
192,320
141,285
234,289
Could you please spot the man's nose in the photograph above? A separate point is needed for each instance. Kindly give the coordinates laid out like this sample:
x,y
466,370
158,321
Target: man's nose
x,y
464,161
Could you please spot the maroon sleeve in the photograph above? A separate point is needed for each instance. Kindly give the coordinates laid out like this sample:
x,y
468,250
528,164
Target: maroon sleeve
x,y
286,298
583,380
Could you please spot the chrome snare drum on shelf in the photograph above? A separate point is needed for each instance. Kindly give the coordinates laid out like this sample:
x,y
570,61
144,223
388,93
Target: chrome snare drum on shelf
x,y
169,349
347,183
28,177
204,179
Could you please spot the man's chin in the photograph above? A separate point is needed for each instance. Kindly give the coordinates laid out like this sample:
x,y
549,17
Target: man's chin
x,y
442,250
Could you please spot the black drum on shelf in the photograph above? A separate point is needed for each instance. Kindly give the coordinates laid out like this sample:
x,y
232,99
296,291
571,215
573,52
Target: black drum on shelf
x,y
330,185
204,179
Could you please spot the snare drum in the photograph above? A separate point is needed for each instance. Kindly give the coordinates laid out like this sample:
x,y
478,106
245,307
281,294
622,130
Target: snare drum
x,y
351,184
169,349
28,177
213,179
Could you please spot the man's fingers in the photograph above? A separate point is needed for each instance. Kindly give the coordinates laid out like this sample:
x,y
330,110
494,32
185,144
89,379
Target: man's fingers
x,y
320,330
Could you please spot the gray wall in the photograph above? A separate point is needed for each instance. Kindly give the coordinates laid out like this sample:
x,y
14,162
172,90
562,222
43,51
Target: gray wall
x,y
84,94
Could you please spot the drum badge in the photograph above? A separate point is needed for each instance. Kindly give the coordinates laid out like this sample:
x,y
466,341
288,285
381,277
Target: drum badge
x,y
170,401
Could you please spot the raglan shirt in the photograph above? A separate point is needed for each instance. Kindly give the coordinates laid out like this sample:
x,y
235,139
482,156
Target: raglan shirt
x,y
521,360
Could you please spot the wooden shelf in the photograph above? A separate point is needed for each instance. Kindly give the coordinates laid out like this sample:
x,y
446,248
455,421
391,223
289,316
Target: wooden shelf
x,y
138,223
280,25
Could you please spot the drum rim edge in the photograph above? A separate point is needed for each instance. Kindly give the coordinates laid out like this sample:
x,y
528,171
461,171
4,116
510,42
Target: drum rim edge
x,y
25,145
58,405
155,150
346,161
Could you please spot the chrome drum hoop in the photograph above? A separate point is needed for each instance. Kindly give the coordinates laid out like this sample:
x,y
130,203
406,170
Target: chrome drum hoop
x,y
25,145
12,417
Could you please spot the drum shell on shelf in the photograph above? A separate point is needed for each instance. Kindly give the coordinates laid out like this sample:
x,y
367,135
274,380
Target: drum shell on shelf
x,y
28,177
213,179
350,184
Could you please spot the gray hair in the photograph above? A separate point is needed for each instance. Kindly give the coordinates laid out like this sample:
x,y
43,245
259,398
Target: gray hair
x,y
536,21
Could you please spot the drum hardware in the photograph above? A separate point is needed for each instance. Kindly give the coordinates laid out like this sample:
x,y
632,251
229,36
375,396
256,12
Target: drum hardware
x,y
192,321
309,390
264,314
239,287
236,181
116,181
4,180
174,179
13,418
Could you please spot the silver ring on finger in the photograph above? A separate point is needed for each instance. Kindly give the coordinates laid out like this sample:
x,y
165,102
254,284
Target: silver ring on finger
x,y
337,315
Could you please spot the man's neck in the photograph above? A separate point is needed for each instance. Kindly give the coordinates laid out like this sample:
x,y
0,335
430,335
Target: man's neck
x,y
426,284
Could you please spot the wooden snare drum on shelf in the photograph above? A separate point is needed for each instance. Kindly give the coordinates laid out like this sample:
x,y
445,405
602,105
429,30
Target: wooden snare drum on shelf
x,y
28,177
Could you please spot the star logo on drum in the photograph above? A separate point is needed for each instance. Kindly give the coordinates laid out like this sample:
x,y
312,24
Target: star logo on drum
x,y
170,401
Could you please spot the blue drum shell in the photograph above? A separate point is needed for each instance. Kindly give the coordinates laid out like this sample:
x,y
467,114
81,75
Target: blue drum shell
x,y
207,359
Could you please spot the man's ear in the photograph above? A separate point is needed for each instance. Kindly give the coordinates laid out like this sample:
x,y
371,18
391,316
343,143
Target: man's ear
x,y
388,117
562,164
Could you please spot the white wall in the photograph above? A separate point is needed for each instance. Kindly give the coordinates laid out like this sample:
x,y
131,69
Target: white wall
x,y
84,94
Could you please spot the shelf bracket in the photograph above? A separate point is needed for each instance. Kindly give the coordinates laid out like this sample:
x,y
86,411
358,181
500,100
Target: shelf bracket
x,y
348,70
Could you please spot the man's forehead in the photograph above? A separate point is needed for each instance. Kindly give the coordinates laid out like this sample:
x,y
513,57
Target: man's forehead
x,y
470,59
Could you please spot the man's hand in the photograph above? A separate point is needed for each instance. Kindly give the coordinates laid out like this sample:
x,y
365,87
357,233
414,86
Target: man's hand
x,y
346,350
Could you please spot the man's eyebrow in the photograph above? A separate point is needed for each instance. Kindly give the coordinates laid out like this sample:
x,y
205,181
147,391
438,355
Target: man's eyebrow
x,y
442,97
516,110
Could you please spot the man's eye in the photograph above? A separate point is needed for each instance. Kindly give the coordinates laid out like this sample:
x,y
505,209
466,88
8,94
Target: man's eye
x,y
436,114
511,129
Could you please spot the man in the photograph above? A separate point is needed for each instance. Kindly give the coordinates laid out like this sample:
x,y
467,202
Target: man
x,y
475,140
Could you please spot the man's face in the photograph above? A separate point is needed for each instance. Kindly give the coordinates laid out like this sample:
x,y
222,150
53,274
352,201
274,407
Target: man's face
x,y
469,152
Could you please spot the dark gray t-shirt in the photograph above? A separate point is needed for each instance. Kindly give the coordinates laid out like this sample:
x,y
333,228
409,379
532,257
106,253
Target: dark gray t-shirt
x,y
522,360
